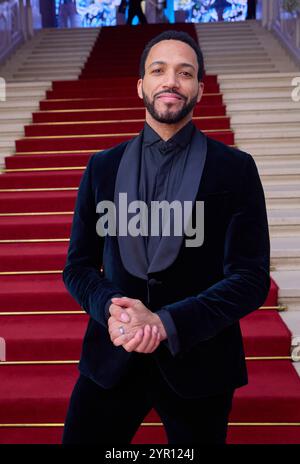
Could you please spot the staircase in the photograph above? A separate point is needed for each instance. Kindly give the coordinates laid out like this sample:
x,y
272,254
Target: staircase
x,y
50,55
242,47
41,324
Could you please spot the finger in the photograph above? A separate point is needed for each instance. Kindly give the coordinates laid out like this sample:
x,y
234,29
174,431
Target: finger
x,y
155,341
152,344
146,339
122,339
125,302
119,313
131,346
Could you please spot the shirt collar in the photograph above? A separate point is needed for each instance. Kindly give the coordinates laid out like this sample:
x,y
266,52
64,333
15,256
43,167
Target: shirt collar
x,y
182,138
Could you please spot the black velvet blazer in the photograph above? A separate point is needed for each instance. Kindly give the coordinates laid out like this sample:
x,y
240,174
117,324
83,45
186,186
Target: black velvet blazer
x,y
206,289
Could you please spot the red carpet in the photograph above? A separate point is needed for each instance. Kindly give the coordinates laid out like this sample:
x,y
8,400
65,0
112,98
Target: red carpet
x,y
37,318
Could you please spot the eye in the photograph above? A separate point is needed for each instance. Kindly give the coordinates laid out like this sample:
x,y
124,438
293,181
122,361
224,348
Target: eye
x,y
156,71
186,74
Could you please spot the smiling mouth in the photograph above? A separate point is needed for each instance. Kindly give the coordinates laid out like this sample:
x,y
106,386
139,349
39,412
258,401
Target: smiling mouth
x,y
169,97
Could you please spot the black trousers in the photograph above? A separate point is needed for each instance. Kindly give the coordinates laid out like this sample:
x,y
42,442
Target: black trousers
x,y
112,416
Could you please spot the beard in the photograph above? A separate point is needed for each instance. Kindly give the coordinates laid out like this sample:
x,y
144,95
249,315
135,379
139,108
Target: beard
x,y
168,116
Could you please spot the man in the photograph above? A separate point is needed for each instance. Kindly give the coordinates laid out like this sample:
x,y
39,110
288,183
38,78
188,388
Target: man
x,y
164,310
135,9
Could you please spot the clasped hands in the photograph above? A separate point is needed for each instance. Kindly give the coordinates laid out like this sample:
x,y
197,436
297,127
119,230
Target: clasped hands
x,y
144,329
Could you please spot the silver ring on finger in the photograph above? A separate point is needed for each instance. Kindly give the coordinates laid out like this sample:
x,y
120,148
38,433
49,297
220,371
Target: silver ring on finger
x,y
121,330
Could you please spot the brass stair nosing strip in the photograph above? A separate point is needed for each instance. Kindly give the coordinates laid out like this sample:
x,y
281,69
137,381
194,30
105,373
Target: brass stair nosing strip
x,y
57,168
36,240
60,152
129,134
29,272
76,110
46,213
87,110
277,308
37,363
57,152
264,424
156,424
126,134
61,362
112,121
48,189
41,313
268,358
103,97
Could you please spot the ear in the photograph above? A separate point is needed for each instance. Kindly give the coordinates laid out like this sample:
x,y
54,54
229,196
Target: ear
x,y
200,91
140,88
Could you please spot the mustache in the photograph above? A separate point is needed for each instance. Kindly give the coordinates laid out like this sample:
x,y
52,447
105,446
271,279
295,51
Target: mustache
x,y
171,92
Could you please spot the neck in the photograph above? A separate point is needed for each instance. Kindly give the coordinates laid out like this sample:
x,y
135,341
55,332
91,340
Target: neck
x,y
166,131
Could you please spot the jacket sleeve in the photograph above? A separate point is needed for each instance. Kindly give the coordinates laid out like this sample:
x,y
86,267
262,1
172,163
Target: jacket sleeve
x,y
246,267
82,275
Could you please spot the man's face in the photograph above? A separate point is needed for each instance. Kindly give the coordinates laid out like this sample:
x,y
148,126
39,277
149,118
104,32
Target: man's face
x,y
170,87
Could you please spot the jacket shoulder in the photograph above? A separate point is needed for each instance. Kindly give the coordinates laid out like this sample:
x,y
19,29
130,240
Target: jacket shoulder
x,y
109,155
228,153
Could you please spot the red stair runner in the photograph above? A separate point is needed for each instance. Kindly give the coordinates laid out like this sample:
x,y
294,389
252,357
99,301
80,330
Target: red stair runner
x,y
39,320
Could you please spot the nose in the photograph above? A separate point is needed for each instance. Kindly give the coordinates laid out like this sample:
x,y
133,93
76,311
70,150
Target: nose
x,y
171,79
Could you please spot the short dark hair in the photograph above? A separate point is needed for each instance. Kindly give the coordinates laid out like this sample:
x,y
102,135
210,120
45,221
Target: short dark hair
x,y
173,35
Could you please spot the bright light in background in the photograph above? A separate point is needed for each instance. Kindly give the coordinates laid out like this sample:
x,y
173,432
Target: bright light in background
x,y
91,13
212,10
95,13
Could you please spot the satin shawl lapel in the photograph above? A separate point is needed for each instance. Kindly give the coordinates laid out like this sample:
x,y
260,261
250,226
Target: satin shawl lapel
x,y
132,249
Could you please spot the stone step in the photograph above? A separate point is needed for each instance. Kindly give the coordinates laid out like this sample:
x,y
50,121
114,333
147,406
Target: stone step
x,y
268,138
15,114
282,196
215,39
272,148
264,130
244,67
245,95
285,252
46,67
289,289
36,53
21,104
270,117
283,179
250,53
292,320
283,203
28,85
11,128
25,94
284,223
237,59
35,78
23,118
236,47
12,136
260,104
54,58
45,72
246,82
